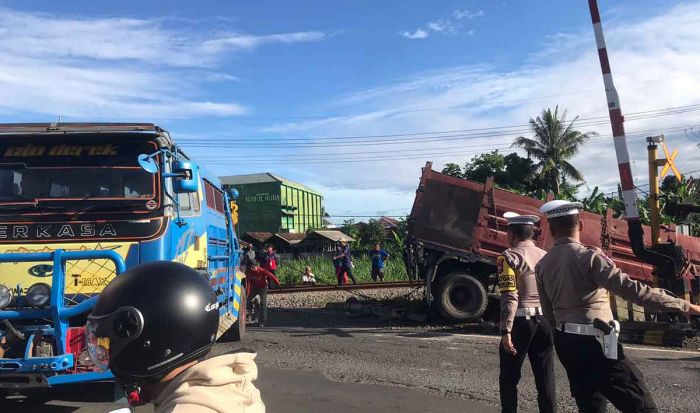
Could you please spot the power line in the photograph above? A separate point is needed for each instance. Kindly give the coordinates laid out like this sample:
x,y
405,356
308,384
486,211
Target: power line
x,y
421,136
638,187
374,142
404,154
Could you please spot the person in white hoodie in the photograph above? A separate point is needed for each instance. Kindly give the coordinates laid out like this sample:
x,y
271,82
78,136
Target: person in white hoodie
x,y
154,327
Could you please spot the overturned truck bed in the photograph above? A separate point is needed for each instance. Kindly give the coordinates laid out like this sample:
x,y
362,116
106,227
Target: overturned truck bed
x,y
456,231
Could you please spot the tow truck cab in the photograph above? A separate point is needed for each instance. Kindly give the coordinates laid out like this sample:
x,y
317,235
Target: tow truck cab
x,y
79,204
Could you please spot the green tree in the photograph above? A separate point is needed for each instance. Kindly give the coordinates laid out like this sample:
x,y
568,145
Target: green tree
x,y
452,169
518,174
371,233
555,142
595,202
350,228
484,165
511,171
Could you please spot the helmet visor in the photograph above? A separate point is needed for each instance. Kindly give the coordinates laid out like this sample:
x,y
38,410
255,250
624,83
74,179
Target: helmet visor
x,y
107,335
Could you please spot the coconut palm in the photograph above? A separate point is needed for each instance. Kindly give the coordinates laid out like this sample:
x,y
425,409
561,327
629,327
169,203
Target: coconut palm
x,y
554,143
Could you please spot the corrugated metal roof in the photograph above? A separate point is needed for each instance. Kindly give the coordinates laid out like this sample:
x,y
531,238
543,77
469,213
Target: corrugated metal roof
x,y
291,238
258,236
264,177
247,179
333,235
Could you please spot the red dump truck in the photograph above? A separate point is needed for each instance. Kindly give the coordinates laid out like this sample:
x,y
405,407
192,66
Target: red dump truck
x,y
456,231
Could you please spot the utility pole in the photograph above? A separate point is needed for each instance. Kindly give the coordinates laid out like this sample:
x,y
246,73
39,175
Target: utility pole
x,y
654,206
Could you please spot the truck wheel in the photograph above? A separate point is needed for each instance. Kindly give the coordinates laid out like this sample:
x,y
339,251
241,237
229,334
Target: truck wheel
x,y
460,297
237,330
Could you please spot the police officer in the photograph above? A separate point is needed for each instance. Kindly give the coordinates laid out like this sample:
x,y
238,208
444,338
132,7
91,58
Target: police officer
x,y
154,327
573,281
524,331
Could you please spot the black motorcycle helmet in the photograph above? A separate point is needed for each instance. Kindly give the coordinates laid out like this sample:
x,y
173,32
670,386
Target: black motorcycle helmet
x,y
152,319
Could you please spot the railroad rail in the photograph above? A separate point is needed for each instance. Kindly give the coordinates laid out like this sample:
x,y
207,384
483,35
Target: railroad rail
x,y
360,286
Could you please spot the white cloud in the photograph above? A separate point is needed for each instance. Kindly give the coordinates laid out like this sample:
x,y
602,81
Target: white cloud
x,y
247,42
467,14
417,34
443,26
116,67
655,65
448,27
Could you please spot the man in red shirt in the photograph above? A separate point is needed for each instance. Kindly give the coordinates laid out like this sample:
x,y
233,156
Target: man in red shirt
x,y
256,280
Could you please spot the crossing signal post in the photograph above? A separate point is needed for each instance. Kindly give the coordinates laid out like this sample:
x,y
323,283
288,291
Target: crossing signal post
x,y
654,207
654,165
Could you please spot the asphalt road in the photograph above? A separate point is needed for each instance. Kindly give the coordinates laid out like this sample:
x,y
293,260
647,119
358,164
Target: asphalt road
x,y
310,361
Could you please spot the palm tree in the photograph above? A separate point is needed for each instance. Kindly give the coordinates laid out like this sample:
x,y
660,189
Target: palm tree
x,y
554,144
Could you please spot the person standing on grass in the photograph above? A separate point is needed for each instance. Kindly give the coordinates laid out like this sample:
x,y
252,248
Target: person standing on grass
x,y
269,260
338,264
378,256
346,259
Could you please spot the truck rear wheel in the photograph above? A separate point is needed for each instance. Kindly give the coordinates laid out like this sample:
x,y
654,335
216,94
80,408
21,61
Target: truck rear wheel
x,y
237,330
460,297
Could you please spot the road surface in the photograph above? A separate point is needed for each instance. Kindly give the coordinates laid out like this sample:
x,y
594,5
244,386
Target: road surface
x,y
311,361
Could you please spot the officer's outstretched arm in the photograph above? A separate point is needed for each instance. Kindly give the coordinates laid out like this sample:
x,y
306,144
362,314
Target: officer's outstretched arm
x,y
608,276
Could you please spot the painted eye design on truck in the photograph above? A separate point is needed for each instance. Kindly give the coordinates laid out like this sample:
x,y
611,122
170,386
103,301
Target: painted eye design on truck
x,y
41,270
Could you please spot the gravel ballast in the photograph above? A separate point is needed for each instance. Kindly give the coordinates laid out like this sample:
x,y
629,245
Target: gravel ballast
x,y
319,299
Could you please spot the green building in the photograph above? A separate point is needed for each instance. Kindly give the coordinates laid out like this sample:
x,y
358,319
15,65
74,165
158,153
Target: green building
x,y
270,203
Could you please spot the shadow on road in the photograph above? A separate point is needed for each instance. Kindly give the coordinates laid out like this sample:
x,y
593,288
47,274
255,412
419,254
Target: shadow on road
x,y
677,359
323,321
62,399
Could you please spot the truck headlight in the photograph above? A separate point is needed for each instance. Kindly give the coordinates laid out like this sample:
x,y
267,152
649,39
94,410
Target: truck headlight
x,y
5,296
38,295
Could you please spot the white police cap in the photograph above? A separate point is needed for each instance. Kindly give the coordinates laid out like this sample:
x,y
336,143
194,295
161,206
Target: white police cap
x,y
517,219
560,208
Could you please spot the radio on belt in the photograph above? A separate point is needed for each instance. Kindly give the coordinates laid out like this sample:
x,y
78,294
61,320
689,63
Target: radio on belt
x,y
607,336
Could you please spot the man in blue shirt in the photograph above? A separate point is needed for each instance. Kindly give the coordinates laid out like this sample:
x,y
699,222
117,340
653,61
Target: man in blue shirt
x,y
378,256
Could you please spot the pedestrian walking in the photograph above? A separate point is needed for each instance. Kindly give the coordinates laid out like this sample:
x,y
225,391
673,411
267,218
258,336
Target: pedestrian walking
x,y
346,261
378,256
258,280
524,331
573,281
154,327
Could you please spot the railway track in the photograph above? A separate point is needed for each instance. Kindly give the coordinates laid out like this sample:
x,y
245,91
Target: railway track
x,y
361,286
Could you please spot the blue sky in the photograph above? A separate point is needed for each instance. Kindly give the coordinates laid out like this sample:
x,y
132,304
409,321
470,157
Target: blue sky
x,y
271,81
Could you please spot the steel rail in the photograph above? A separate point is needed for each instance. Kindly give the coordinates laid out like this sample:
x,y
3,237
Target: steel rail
x,y
345,287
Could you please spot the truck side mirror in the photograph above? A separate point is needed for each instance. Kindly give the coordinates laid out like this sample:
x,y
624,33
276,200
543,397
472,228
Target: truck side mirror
x,y
186,176
148,163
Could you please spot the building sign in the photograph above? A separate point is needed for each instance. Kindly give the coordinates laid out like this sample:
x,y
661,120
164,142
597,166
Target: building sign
x,y
264,197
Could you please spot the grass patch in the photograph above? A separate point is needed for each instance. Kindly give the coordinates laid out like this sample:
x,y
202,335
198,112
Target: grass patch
x,y
289,272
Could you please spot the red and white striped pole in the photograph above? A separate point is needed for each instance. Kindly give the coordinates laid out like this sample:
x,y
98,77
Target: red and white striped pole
x,y
616,119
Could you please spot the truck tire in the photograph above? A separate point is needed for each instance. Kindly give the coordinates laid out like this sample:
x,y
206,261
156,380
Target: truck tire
x,y
237,330
460,297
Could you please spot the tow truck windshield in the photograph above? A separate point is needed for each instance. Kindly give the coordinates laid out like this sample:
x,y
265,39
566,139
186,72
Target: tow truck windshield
x,y
75,173
21,184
